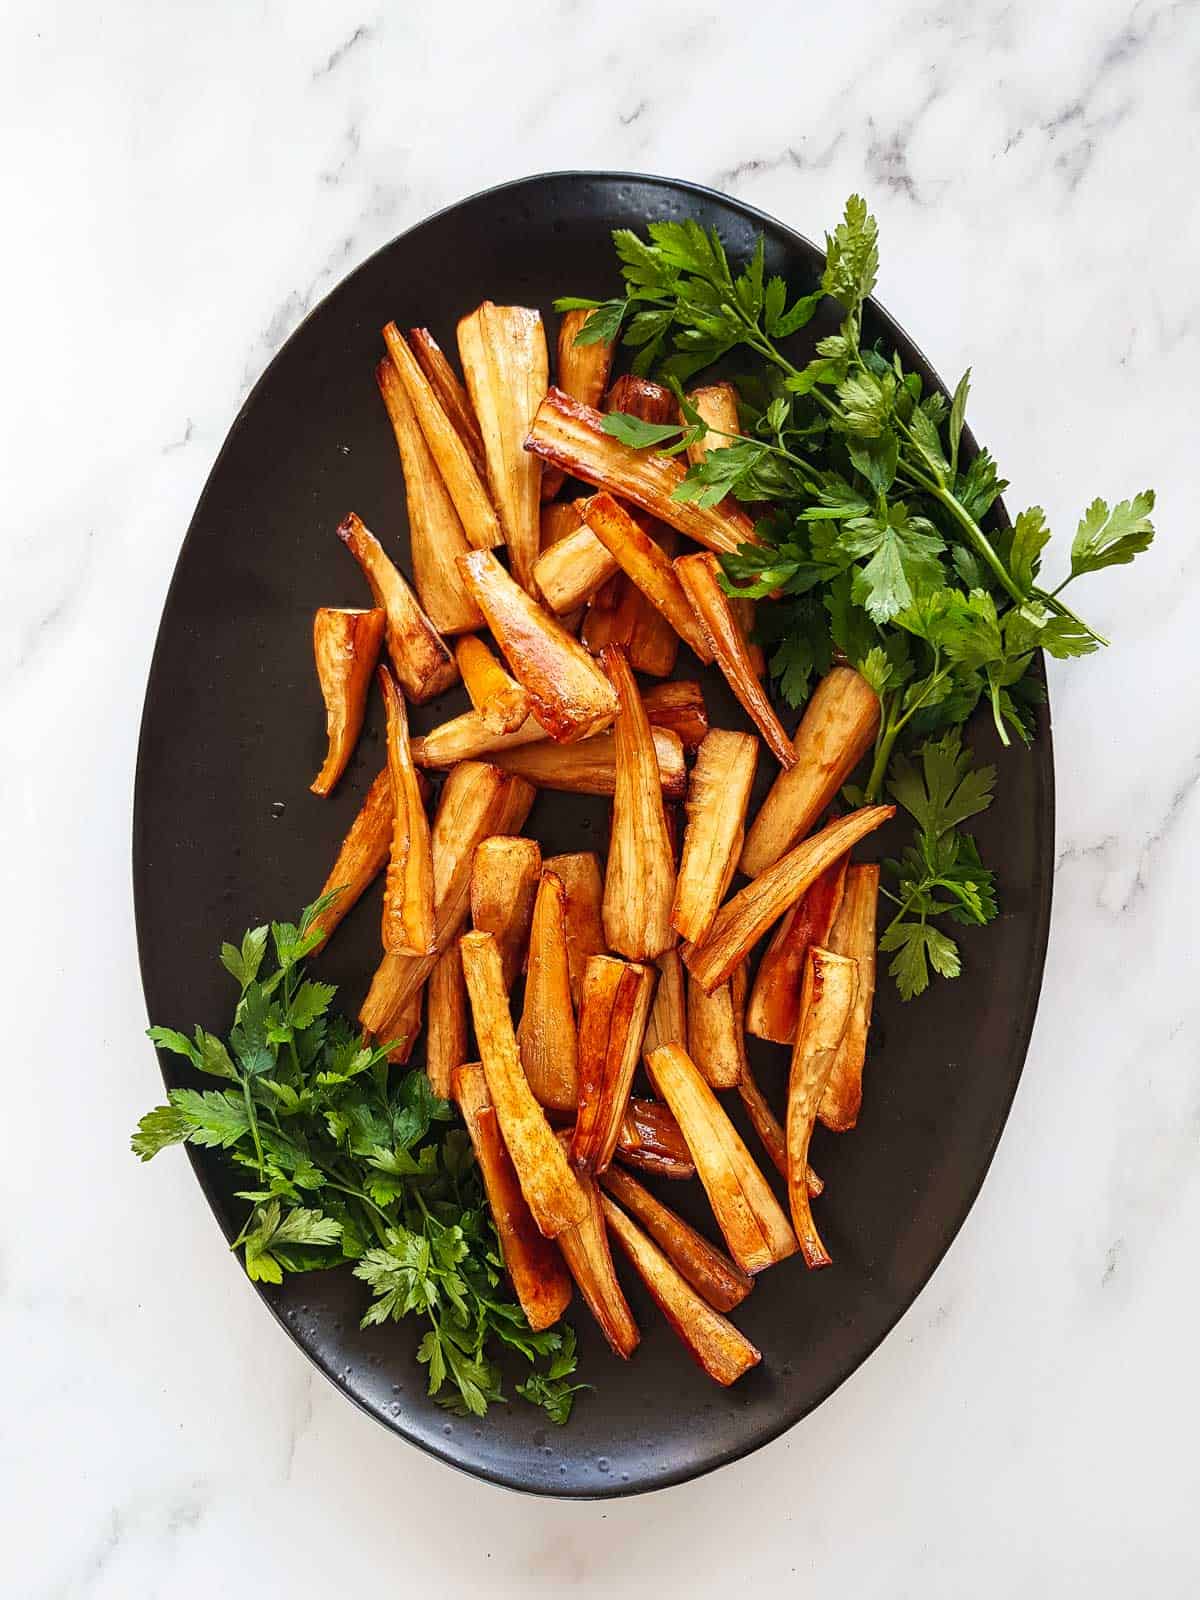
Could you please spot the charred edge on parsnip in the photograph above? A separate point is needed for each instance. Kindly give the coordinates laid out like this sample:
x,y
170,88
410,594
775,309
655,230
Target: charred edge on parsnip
x,y
419,654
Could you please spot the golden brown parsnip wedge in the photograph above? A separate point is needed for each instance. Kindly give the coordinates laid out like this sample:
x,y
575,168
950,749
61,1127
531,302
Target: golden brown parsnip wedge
x,y
579,874
419,654
647,566
651,1140
464,485
559,521
717,403
612,1020
582,372
742,921
446,1022
571,436
500,700
571,570
504,884
612,615
829,985
769,1128
586,1250
716,1037
774,1007
435,529
361,858
406,1029
711,1340
853,935
654,643
590,767
477,801
836,731
668,1014
678,705
408,887
452,396
468,738
547,1181
748,1214
504,360
699,574
640,397
546,1035
707,1269
568,694
346,647
718,794
539,1275
639,884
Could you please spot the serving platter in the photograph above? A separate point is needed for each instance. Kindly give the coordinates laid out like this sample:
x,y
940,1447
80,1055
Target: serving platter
x,y
227,835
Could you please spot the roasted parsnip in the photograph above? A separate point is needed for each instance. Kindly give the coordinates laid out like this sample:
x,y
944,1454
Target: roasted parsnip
x,y
707,1269
700,574
711,1340
452,396
568,694
651,1140
639,884
547,1181
829,985
579,874
769,1128
546,1035
774,1007
853,935
716,1030
654,642
504,884
539,1275
445,1022
468,738
559,521
582,371
668,1014
717,404
571,570
748,1214
612,614
571,436
405,1029
590,767
837,729
419,654
612,1020
742,921
346,648
435,530
718,794
408,924
362,855
463,483
500,700
504,360
646,565
678,705
586,1250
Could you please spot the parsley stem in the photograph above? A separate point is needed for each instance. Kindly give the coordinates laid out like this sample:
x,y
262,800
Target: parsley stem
x,y
252,1118
1064,610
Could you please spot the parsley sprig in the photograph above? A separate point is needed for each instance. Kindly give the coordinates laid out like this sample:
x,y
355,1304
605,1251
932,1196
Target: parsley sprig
x,y
346,1160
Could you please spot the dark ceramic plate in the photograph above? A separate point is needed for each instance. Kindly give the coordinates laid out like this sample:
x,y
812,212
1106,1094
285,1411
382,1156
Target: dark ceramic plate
x,y
226,834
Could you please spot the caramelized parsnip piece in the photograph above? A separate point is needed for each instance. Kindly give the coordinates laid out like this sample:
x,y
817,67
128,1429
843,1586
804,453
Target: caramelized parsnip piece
x,y
361,857
710,1339
568,694
716,1037
419,654
504,360
571,570
612,1020
829,985
571,436
718,794
467,738
706,1268
582,371
559,521
836,731
613,614
717,403
639,885
668,1015
546,1035
646,565
500,700
853,935
654,643
585,1248
699,575
539,1275
452,397
679,706
742,921
346,648
408,888
406,1029
547,1182
774,1007
583,887
651,1140
749,1216
590,767
446,1022
435,530
504,884
463,484
769,1128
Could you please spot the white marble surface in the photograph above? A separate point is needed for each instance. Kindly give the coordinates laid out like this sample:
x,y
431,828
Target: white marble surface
x,y
182,182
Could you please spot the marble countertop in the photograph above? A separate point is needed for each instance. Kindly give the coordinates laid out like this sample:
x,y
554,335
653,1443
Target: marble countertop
x,y
184,183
